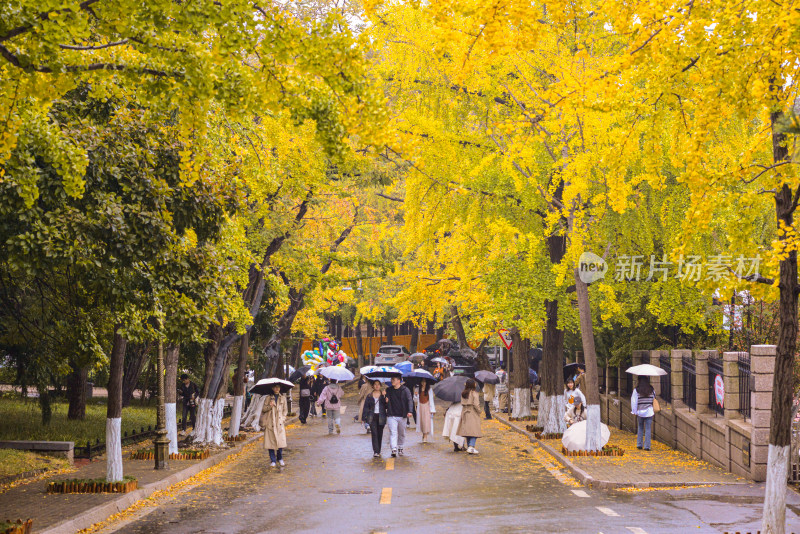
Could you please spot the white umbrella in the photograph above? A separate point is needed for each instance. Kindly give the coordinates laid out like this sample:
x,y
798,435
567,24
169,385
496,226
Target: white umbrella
x,y
337,373
646,369
575,436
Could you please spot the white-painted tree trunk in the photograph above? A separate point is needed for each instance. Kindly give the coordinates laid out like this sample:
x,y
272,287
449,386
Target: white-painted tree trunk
x,y
170,411
114,449
774,518
522,402
236,415
202,427
253,413
215,431
551,414
594,439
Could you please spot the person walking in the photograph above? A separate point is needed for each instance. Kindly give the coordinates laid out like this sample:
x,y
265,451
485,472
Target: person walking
x,y
374,416
642,400
306,383
502,390
189,393
363,393
452,418
330,400
273,418
426,409
488,399
399,408
319,385
470,425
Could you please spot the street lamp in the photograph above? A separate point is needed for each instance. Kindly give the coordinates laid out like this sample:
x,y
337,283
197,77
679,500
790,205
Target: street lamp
x,y
161,443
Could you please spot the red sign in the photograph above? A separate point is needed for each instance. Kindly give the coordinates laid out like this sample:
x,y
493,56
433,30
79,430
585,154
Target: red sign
x,y
505,337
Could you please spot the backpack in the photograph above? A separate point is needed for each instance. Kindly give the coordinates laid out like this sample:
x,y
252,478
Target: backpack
x,y
334,399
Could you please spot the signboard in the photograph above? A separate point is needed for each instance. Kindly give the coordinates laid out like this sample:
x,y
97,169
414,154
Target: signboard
x,y
719,391
505,337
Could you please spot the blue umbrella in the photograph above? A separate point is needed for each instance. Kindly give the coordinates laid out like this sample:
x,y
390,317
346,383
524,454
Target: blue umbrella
x,y
404,367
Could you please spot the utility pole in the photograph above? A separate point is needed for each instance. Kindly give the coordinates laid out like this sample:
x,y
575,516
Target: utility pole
x,y
161,443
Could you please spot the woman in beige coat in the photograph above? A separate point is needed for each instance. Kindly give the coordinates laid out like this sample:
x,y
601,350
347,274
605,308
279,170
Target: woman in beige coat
x,y
273,417
470,425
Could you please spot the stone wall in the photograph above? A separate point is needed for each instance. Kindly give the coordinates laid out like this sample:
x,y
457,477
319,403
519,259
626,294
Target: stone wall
x,y
729,441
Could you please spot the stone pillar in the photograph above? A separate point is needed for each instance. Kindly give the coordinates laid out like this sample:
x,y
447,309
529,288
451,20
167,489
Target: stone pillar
x,y
762,370
638,357
730,367
676,356
655,381
701,379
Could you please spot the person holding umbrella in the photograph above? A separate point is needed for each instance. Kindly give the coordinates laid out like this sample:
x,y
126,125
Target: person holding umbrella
x,y
374,415
400,406
426,409
642,400
273,418
470,425
330,400
306,396
488,379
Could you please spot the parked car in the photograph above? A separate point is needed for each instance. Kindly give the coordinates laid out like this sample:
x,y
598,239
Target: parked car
x,y
391,354
465,370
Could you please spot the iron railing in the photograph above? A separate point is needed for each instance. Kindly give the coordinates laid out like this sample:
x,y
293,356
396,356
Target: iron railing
x,y
714,370
99,447
689,383
744,384
665,363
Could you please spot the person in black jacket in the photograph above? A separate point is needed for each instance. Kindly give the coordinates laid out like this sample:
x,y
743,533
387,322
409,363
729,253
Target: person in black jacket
x,y
189,393
319,384
374,415
399,408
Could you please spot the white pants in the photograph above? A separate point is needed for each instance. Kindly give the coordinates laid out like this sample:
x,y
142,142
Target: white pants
x,y
397,431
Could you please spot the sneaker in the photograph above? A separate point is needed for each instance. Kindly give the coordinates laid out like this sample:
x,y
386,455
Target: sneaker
x,y
638,446
394,453
330,432
376,455
400,452
272,464
474,450
338,429
470,450
281,463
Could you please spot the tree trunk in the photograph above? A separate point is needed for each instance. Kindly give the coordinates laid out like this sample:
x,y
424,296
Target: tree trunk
x,y
359,345
592,393
135,360
551,405
458,326
482,362
414,339
519,379
114,409
76,392
171,357
238,386
390,334
780,437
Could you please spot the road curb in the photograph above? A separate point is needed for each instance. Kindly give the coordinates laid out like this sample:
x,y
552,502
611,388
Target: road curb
x,y
103,511
588,480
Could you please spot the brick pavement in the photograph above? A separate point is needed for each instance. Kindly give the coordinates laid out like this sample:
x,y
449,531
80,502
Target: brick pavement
x,y
660,467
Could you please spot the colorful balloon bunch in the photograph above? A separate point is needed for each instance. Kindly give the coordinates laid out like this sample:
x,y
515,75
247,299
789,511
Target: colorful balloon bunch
x,y
327,353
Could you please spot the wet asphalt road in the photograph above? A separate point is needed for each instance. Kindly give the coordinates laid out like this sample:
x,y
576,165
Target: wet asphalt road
x,y
331,484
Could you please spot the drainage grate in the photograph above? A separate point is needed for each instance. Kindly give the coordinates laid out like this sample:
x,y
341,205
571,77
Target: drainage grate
x,y
348,492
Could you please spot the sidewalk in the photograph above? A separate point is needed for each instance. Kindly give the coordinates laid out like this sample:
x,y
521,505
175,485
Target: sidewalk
x,y
660,467
72,512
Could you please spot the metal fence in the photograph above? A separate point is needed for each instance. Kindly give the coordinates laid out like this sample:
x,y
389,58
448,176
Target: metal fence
x,y
689,383
714,370
665,363
744,384
99,447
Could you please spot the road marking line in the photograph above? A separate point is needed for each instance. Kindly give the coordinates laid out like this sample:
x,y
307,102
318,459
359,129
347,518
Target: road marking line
x,y
390,464
637,530
580,493
608,511
386,496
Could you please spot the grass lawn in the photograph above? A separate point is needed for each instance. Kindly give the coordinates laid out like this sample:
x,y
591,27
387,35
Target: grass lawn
x,y
22,420
13,462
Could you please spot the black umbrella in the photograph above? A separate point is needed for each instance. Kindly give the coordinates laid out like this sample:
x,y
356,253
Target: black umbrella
x,y
571,369
487,377
450,389
415,377
264,387
300,373
387,372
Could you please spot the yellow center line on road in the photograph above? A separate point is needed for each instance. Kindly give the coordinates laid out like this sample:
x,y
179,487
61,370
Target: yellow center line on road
x,y
390,464
386,496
